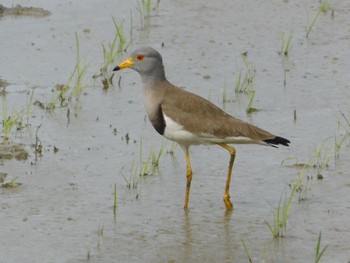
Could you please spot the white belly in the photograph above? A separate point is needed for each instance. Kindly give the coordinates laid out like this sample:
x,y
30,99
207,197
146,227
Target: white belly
x,y
176,132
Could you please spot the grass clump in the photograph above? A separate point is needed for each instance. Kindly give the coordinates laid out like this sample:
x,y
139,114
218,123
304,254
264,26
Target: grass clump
x,y
281,213
152,162
133,180
9,121
111,52
320,161
65,92
316,164
245,83
15,119
144,168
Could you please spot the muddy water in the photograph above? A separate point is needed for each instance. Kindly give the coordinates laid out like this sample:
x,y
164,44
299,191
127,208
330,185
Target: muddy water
x,y
62,211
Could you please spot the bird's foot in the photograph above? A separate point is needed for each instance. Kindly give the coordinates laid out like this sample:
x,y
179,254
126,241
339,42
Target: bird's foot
x,y
227,201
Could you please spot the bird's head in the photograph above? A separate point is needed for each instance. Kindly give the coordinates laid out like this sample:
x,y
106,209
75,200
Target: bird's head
x,y
146,60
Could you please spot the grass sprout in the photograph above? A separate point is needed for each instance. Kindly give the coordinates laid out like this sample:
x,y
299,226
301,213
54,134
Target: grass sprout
x,y
286,44
318,251
250,109
323,8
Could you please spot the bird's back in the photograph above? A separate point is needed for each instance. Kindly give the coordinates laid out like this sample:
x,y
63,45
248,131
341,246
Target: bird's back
x,y
201,117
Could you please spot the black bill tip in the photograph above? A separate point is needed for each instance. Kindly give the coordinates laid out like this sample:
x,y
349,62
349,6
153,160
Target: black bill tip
x,y
116,68
277,140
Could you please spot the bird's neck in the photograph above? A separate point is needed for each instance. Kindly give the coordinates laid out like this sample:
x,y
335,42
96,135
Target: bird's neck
x,y
150,79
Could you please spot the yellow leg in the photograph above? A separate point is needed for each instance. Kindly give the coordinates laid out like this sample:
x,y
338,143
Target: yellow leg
x,y
232,151
188,176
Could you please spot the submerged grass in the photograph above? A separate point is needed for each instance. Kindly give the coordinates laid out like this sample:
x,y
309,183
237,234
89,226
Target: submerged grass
x,y
144,7
246,251
115,197
341,136
304,186
225,96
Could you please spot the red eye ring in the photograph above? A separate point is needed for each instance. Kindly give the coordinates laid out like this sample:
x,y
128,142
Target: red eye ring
x,y
140,57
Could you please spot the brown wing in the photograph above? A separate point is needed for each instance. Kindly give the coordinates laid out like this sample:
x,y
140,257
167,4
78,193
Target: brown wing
x,y
199,116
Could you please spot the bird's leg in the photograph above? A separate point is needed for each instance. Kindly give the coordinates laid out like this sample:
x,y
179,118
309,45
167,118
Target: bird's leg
x,y
232,151
188,176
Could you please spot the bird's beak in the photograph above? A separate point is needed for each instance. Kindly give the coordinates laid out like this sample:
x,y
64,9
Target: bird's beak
x,y
125,64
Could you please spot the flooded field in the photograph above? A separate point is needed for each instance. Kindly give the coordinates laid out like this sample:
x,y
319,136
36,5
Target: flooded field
x,y
75,138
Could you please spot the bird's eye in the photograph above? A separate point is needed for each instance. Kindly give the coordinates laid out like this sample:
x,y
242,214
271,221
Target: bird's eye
x,y
140,57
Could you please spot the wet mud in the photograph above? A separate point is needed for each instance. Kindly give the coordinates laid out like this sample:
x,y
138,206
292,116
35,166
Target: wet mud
x,y
12,151
23,11
87,179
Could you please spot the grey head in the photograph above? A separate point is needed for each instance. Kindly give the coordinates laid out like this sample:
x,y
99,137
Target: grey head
x,y
146,61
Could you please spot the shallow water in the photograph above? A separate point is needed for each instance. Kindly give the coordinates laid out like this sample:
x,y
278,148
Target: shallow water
x,y
63,209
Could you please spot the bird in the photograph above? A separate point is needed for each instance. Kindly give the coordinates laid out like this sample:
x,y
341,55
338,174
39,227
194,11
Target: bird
x,y
189,119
